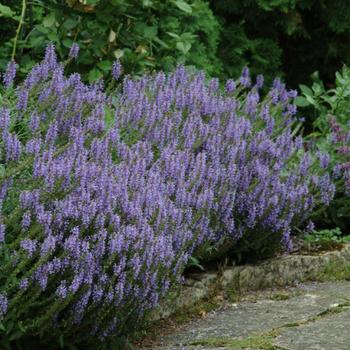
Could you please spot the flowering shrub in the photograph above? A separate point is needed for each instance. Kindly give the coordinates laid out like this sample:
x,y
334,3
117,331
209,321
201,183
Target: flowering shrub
x,y
89,238
231,151
105,196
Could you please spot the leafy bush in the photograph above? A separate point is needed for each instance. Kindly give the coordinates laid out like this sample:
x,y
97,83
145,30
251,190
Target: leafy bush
x,y
329,118
272,37
325,239
105,197
289,37
144,34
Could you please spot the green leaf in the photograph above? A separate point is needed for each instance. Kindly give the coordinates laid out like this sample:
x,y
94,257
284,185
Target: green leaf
x,y
94,74
35,41
16,335
317,88
118,53
53,37
305,89
2,173
183,6
40,28
173,35
301,101
61,341
311,100
150,32
340,79
10,324
183,47
147,3
67,43
21,327
161,42
195,262
105,65
6,11
70,23
49,20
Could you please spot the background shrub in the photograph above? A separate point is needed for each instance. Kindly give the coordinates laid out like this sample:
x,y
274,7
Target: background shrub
x,y
276,38
327,126
293,38
144,34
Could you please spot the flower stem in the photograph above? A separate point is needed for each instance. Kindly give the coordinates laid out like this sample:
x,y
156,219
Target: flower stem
x,y
18,31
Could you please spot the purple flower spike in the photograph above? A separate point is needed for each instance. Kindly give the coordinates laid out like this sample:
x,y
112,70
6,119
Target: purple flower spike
x,y
230,86
3,305
116,69
74,51
10,74
245,78
259,81
2,233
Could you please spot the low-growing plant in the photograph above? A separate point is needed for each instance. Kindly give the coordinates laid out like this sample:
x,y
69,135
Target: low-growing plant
x,y
231,151
325,239
89,241
104,197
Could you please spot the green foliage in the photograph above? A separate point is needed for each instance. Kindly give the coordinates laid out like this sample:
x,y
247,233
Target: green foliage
x,y
288,37
144,34
319,104
335,271
325,239
325,102
279,37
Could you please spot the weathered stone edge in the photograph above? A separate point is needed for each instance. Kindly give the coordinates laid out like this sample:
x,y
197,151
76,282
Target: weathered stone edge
x,y
277,272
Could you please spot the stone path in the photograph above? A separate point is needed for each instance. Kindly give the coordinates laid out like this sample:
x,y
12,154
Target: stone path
x,y
314,316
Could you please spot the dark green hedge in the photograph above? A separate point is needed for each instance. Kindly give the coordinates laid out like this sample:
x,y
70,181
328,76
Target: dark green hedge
x,y
290,38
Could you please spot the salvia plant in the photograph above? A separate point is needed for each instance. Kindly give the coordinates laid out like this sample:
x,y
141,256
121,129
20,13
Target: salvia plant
x,y
106,193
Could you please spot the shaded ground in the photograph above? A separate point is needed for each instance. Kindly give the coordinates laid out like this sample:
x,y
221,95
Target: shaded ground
x,y
314,316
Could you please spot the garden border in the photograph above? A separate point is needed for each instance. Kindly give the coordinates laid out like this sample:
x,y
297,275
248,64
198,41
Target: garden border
x,y
277,272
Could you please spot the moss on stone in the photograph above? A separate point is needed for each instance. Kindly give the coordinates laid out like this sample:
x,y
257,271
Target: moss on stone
x,y
335,271
199,309
257,341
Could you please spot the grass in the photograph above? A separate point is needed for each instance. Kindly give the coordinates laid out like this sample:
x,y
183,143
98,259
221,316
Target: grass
x,y
183,316
199,309
334,271
262,341
281,296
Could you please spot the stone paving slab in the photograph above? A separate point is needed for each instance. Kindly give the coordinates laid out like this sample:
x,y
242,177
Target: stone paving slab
x,y
329,333
304,307
277,272
189,347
